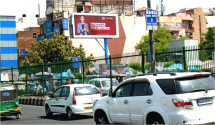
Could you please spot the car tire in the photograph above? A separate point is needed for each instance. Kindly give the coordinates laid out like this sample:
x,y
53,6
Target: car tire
x,y
101,118
18,116
69,113
156,120
48,111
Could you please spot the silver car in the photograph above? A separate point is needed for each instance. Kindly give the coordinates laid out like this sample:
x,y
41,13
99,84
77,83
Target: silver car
x,y
103,84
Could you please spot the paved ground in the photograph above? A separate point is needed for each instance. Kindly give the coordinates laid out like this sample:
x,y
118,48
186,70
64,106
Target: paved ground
x,y
36,115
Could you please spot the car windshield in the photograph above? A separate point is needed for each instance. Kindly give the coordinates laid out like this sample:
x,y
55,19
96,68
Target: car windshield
x,y
86,90
195,84
106,83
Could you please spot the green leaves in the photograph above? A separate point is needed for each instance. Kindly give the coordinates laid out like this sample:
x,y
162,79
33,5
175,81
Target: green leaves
x,y
53,50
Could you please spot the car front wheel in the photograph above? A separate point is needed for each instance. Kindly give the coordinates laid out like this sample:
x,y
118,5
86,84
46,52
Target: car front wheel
x,y
101,118
48,111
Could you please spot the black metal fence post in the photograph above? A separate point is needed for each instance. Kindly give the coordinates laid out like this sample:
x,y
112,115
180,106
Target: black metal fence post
x,y
143,61
12,74
111,82
184,59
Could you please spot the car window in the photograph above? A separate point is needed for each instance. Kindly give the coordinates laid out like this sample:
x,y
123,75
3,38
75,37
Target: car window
x,y
124,91
194,84
86,90
57,93
97,84
65,92
92,82
167,85
142,89
106,83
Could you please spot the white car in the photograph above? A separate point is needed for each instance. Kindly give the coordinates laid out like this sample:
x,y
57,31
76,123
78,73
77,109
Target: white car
x,y
104,84
72,99
171,98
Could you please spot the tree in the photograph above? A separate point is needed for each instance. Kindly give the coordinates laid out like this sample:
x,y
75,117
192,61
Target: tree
x,y
135,66
207,42
53,50
161,38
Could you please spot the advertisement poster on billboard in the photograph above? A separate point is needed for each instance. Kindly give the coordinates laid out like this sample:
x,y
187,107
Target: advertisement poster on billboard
x,y
170,22
95,25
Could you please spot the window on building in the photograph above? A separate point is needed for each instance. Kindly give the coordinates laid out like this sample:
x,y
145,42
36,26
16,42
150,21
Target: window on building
x,y
34,35
79,9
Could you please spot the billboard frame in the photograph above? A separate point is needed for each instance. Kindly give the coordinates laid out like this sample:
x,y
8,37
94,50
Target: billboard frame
x,y
94,36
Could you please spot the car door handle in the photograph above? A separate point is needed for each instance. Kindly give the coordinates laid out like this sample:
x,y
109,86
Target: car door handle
x,y
126,101
149,101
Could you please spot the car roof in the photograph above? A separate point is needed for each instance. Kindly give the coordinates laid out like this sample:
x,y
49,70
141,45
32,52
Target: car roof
x,y
78,85
169,75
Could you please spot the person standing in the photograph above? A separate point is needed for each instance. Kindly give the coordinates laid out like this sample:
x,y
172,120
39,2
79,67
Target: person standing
x,y
47,86
82,27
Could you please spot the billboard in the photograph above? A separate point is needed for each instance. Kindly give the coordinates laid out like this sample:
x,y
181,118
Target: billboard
x,y
170,22
87,25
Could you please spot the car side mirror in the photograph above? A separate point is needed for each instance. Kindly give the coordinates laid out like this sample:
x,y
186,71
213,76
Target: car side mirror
x,y
51,96
109,93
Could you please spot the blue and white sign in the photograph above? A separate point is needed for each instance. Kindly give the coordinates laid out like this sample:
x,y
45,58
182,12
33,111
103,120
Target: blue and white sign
x,y
151,20
56,29
76,62
48,29
65,23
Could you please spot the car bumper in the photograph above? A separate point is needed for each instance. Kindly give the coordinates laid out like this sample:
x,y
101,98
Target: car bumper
x,y
81,109
192,117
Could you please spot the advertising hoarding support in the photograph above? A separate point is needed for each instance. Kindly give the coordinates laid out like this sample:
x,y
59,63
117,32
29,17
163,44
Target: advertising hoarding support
x,y
106,50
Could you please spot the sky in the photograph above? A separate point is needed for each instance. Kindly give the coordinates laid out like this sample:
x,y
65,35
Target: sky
x,y
30,7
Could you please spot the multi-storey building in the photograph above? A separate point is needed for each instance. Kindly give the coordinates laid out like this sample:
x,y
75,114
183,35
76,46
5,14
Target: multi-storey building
x,y
8,41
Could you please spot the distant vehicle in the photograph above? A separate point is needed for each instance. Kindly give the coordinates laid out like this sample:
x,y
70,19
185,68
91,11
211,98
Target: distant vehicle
x,y
104,84
20,86
9,102
72,99
170,98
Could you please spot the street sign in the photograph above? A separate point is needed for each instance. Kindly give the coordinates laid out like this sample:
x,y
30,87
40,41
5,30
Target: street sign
x,y
65,23
151,20
76,62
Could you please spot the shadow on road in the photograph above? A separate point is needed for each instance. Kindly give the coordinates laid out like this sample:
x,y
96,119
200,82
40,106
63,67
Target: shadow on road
x,y
8,118
63,117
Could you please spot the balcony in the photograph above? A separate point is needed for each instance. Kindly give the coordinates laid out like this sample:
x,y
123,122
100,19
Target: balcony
x,y
41,21
188,30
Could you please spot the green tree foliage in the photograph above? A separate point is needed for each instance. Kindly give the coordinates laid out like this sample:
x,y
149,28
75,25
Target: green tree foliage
x,y
161,38
53,50
135,66
207,42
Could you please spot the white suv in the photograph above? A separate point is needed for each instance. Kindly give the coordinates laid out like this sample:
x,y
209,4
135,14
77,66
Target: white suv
x,y
173,98
72,99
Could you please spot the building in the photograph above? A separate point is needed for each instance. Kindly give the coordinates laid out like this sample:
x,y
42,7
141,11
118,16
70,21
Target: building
x,y
8,41
199,25
131,27
180,24
24,39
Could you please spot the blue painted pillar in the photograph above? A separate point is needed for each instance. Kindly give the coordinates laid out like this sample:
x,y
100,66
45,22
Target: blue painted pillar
x,y
106,50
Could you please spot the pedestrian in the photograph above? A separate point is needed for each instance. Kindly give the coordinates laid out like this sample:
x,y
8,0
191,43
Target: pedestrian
x,y
47,85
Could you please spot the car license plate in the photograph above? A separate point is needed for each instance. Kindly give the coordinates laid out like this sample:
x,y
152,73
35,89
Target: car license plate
x,y
88,108
204,101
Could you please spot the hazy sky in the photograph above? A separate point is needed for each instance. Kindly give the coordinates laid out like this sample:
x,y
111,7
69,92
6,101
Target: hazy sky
x,y
30,7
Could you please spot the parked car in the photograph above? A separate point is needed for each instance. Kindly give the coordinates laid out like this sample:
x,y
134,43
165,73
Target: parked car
x,y
172,98
72,99
104,84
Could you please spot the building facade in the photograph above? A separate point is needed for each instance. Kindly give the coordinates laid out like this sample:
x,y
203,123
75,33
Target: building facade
x,y
8,41
24,39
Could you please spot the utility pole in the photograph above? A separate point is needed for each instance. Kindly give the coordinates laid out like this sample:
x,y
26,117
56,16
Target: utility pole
x,y
151,44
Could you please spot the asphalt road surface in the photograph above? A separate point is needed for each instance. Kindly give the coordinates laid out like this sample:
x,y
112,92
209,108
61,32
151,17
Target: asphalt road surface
x,y
36,115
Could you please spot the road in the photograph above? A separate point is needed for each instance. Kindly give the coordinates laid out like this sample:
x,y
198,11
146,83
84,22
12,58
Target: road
x,y
36,115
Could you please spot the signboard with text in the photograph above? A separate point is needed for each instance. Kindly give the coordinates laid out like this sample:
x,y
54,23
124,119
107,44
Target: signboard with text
x,y
151,20
87,25
48,29
76,62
